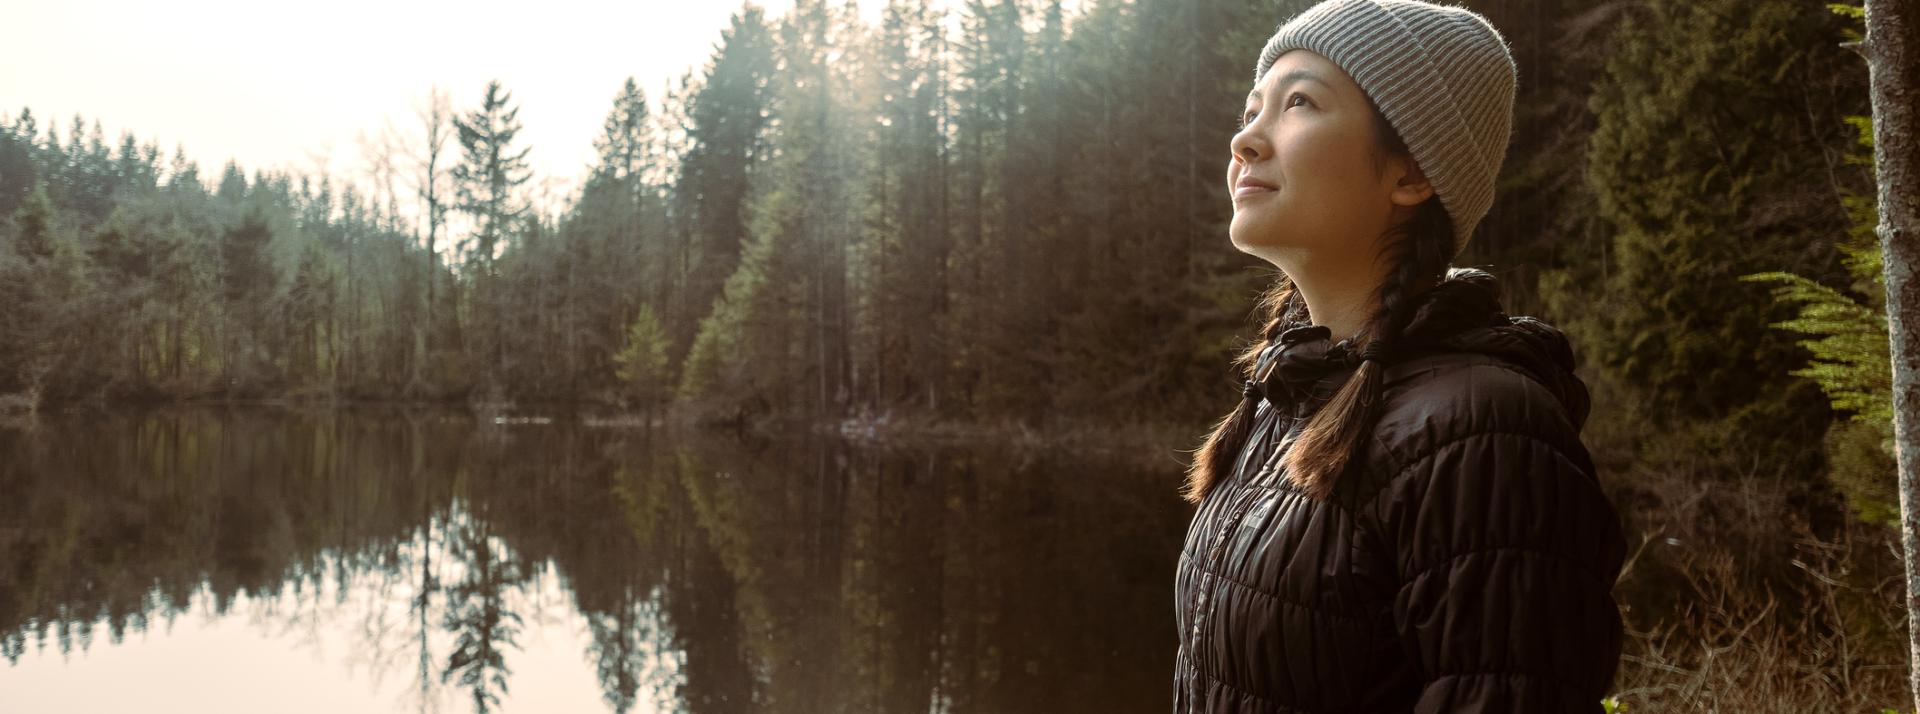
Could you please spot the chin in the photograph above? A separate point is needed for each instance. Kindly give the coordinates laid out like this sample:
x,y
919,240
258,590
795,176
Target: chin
x,y
1252,236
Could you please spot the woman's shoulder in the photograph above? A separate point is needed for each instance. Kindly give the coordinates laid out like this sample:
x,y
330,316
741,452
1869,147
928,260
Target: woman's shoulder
x,y
1468,392
1445,400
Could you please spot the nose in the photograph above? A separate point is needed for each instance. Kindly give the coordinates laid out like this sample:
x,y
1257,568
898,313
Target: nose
x,y
1247,146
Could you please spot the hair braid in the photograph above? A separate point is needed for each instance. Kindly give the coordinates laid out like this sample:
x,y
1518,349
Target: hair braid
x,y
1334,433
1283,308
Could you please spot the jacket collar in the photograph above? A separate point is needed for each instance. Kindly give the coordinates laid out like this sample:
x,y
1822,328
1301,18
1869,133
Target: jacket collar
x,y
1462,313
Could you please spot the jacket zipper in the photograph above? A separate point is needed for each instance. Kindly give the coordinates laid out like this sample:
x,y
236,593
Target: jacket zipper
x,y
1199,608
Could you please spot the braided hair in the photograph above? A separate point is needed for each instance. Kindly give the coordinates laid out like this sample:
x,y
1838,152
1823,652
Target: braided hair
x,y
1334,433
1419,250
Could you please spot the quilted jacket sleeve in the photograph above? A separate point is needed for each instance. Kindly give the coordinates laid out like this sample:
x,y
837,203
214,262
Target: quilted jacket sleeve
x,y
1506,552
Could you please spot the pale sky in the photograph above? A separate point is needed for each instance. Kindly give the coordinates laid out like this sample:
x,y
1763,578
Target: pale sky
x,y
289,85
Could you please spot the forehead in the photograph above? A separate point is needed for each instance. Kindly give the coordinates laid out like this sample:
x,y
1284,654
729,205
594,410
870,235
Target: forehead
x,y
1307,69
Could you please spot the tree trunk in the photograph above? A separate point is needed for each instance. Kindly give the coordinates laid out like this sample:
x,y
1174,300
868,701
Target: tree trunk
x,y
1894,70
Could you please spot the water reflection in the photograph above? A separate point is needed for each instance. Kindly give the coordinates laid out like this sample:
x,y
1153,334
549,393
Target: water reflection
x,y
691,573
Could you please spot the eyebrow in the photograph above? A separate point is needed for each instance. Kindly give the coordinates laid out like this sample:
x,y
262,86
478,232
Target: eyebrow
x,y
1291,77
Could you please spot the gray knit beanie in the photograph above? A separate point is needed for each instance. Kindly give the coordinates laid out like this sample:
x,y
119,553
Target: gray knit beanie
x,y
1442,76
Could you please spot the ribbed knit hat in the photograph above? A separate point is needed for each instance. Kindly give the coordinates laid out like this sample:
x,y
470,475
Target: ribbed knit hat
x,y
1443,77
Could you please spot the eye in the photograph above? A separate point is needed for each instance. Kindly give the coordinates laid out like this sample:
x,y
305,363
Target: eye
x,y
1247,118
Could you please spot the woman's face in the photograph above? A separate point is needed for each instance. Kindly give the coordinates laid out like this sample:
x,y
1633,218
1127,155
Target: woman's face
x,y
1309,135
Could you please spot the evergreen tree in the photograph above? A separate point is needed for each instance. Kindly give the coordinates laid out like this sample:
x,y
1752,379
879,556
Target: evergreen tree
x,y
233,184
18,175
247,278
903,253
307,316
487,183
788,307
490,174
43,283
33,238
643,364
723,146
1679,179
1703,167
619,255
626,140
1847,338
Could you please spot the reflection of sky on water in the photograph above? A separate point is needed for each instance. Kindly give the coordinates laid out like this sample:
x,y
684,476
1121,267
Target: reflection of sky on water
x,y
340,648
260,559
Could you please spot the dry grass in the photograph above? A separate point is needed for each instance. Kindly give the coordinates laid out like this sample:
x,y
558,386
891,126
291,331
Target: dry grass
x,y
1830,638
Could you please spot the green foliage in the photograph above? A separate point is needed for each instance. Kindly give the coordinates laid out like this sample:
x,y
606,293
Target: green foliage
x,y
643,363
490,174
1860,461
246,270
1682,155
43,284
1861,249
1851,353
1855,12
33,226
742,352
1701,167
1848,342
725,120
311,300
626,138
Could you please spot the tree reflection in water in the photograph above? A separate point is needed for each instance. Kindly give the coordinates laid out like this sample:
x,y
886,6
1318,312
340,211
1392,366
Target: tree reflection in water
x,y
711,573
482,624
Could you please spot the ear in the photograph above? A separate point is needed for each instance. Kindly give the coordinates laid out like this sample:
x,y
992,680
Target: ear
x,y
1410,187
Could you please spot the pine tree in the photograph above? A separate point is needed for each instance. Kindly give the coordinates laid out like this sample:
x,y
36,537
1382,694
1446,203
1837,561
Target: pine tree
x,y
43,282
246,277
643,364
724,144
903,251
18,174
490,175
1698,165
306,315
625,140
33,226
487,185
619,255
769,317
233,184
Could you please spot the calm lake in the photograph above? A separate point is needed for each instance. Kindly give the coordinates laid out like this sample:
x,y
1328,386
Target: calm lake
x,y
372,560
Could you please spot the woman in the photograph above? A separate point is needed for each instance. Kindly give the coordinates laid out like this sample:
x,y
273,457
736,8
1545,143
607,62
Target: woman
x,y
1402,518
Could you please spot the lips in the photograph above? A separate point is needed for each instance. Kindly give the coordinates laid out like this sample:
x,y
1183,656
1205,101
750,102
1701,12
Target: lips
x,y
1250,186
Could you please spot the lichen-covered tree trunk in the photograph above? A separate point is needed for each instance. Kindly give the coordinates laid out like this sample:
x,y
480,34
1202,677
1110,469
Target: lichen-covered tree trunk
x,y
1894,67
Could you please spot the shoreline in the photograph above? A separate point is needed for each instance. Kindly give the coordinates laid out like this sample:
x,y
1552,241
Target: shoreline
x,y
1164,444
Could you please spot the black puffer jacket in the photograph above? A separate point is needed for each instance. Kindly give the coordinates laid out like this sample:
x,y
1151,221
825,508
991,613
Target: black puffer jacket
x,y
1464,563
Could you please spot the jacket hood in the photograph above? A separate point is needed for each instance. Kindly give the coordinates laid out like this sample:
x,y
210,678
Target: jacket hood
x,y
1461,314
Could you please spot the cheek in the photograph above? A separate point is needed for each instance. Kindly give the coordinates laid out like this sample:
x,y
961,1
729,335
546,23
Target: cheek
x,y
1325,186
1330,173
1317,161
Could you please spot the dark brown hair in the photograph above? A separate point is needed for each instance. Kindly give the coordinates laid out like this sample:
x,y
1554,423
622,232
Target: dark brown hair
x,y
1419,248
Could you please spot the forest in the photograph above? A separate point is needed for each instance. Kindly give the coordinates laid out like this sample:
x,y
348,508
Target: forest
x,y
1006,212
